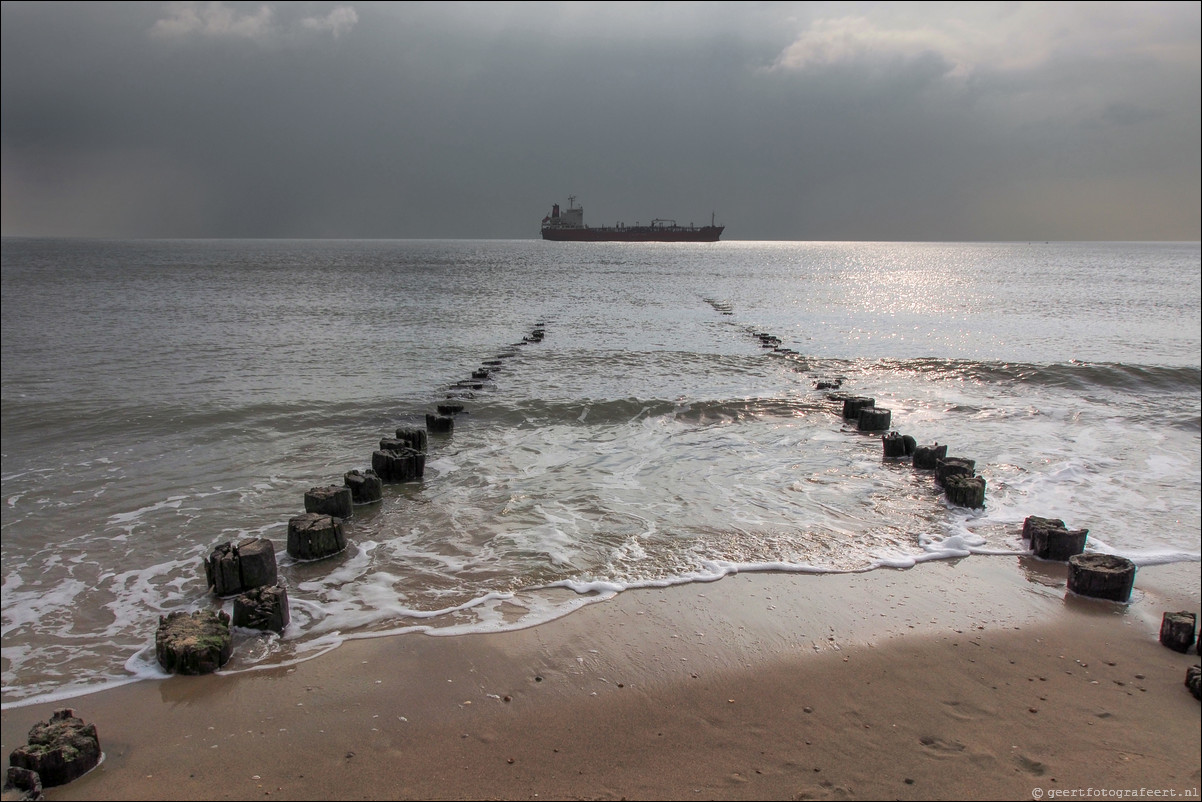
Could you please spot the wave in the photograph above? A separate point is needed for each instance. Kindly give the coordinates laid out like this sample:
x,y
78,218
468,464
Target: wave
x,y
1077,376
618,411
90,419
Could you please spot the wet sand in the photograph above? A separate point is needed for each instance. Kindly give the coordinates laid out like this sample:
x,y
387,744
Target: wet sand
x,y
974,679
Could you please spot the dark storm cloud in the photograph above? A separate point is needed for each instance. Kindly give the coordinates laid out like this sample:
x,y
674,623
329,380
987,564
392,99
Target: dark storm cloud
x,y
792,121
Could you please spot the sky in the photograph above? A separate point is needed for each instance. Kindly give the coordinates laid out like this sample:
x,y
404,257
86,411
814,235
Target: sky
x,y
915,121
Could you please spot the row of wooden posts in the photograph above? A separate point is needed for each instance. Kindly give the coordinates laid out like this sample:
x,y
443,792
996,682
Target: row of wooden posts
x,y
201,642
1103,576
65,747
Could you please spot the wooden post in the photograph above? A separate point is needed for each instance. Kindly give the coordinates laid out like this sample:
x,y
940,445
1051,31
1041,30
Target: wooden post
x,y
953,466
262,608
873,419
853,405
1102,576
332,500
965,491
894,445
439,424
232,569
1177,630
366,486
313,537
398,463
1057,543
927,458
21,784
193,643
1033,522
57,752
413,436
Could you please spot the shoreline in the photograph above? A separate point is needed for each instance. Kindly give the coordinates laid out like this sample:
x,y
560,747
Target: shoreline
x,y
975,678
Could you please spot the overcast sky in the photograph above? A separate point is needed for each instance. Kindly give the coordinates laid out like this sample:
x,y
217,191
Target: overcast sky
x,y
807,121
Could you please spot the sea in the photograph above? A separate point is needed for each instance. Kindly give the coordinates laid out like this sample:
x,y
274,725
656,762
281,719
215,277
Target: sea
x,y
677,418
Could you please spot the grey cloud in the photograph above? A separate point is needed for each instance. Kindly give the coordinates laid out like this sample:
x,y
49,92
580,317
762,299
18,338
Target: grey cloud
x,y
436,120
266,23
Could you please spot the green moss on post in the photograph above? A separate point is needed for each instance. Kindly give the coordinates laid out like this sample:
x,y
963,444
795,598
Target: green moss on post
x,y
59,750
193,643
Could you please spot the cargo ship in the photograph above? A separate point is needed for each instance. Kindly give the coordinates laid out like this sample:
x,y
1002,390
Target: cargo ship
x,y
567,225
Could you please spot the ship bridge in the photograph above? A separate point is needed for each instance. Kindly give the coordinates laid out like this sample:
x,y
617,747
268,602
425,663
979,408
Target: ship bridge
x,y
571,217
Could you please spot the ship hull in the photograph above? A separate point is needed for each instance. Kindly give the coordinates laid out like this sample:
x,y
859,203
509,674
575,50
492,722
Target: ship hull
x,y
638,234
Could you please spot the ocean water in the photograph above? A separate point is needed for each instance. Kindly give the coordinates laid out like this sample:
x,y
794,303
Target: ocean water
x,y
162,397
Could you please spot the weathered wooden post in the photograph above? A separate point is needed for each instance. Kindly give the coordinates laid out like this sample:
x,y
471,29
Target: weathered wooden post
x,y
408,458
313,537
193,643
1177,630
1102,576
965,491
262,608
414,437
1033,522
1057,542
232,569
366,487
439,424
853,405
397,462
58,751
953,466
873,419
332,500
22,784
894,445
927,458
446,409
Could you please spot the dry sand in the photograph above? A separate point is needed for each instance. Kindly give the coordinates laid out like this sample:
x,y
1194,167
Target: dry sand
x,y
971,679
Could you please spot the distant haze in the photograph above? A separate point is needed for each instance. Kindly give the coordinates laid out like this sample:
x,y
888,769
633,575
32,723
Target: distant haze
x,y
792,121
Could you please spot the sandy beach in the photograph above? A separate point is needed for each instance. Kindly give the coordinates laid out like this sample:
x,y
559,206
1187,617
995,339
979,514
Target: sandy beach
x,y
971,679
